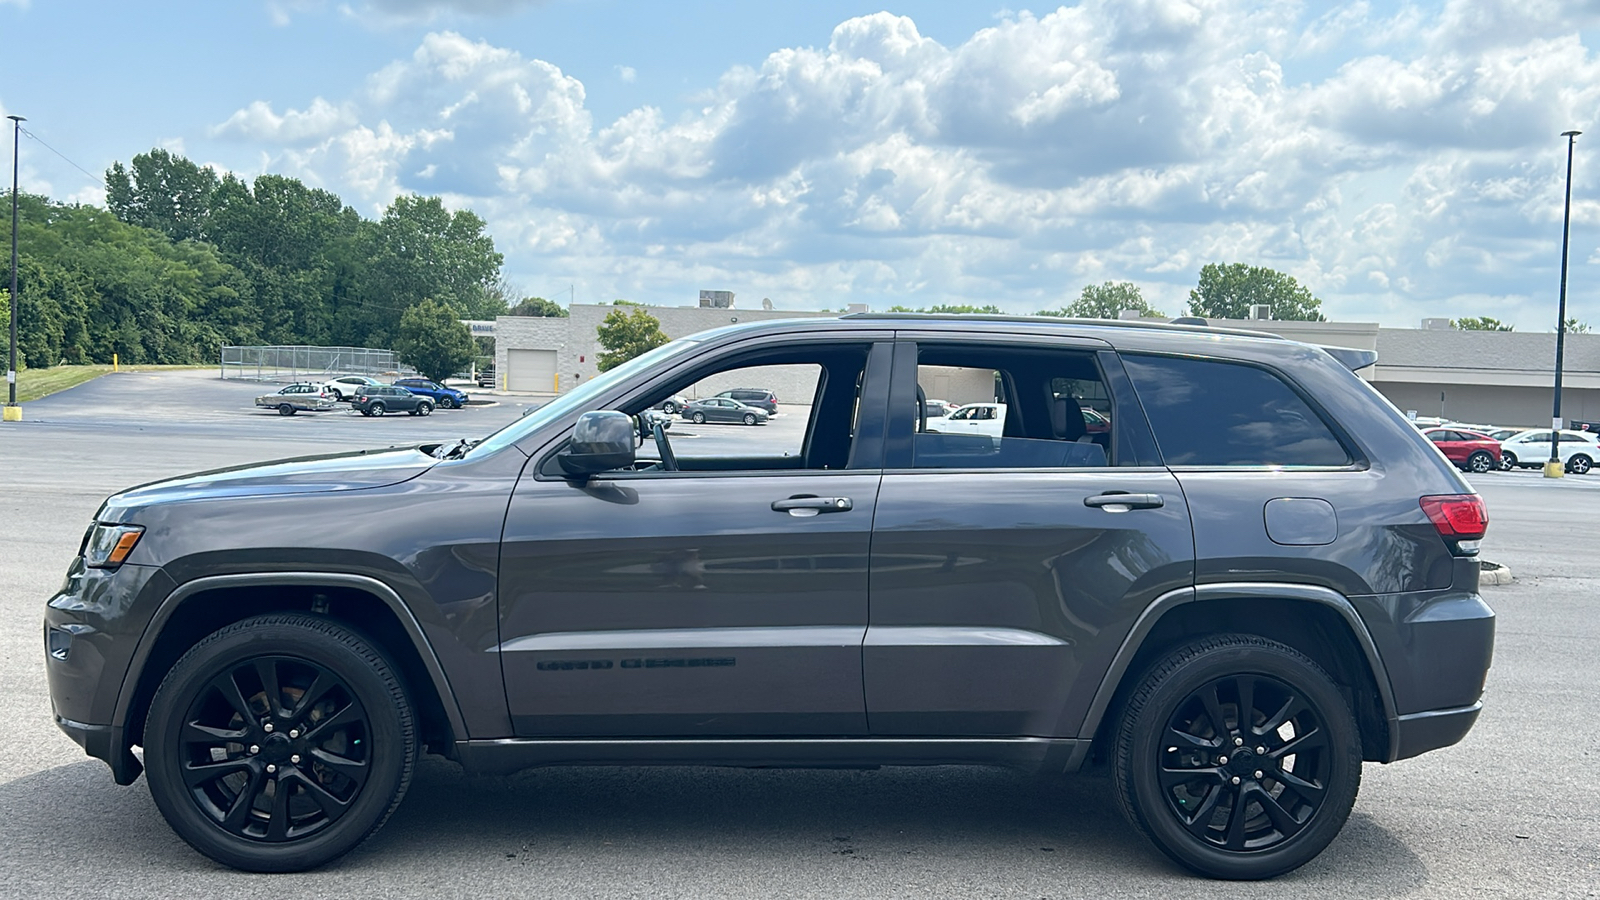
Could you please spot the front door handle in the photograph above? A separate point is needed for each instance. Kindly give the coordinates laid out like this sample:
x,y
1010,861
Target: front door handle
x,y
811,506
1119,501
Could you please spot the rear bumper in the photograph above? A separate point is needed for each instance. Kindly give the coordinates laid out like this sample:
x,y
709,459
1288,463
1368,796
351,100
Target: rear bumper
x,y
1424,731
105,743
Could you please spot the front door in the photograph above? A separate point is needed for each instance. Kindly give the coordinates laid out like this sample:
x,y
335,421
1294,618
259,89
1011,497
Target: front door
x,y
726,598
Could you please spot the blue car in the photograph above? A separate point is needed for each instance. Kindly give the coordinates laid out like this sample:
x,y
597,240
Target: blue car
x,y
443,397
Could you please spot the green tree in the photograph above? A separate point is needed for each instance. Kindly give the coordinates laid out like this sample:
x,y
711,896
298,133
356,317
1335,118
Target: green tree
x,y
433,339
1576,327
1480,323
422,250
627,333
538,307
1105,301
951,308
165,192
1228,292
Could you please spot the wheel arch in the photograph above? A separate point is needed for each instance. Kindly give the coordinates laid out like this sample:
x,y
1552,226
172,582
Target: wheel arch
x,y
1317,621
372,608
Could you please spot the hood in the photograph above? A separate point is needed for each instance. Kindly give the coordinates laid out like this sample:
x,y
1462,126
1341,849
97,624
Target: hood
x,y
355,471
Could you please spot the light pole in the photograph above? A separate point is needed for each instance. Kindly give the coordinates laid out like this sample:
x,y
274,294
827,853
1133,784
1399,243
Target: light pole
x,y
1553,468
13,412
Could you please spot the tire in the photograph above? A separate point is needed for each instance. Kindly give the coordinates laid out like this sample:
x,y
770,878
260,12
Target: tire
x,y
375,409
699,418
1480,462
669,408
332,801
1579,464
337,397
749,418
1168,725
424,408
1508,460
285,409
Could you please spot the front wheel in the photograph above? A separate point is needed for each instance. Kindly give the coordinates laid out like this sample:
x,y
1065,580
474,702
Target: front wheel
x,y
1237,757
279,743
1480,462
424,408
699,418
749,418
285,409
1580,464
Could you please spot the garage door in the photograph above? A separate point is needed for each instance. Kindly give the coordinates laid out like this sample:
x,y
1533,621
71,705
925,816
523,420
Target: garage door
x,y
531,370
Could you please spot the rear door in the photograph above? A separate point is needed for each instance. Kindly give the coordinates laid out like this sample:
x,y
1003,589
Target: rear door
x,y
1007,571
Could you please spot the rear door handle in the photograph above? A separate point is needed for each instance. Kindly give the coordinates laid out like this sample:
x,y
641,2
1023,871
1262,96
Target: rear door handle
x,y
1118,501
811,506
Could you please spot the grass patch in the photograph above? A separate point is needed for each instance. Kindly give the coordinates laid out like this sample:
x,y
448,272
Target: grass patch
x,y
35,383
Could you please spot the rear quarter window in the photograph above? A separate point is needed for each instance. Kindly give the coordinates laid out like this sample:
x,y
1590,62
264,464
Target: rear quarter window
x,y
1210,413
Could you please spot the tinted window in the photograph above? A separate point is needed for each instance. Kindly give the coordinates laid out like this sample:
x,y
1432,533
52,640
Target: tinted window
x,y
1223,414
1534,436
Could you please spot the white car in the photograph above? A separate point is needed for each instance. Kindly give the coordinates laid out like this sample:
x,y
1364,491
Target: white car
x,y
974,418
1531,449
345,386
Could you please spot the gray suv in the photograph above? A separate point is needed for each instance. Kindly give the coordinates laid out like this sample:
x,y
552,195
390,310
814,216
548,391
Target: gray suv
x,y
1259,577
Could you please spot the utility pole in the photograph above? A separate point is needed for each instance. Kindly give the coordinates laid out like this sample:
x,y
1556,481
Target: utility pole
x,y
13,412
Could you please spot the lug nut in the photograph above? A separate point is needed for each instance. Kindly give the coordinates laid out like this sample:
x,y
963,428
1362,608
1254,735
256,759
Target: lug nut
x,y
294,733
272,768
1237,741
1261,751
1235,778
267,728
1258,771
1222,760
296,758
255,748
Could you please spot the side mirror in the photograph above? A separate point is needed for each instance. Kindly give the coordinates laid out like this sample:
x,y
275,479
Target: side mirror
x,y
602,441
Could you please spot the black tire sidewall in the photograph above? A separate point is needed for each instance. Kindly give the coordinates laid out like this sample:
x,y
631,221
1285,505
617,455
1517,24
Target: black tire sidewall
x,y
1139,740
699,418
365,672
749,418
1488,462
375,409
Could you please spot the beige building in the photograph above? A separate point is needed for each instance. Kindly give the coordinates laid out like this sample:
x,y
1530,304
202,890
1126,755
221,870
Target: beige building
x,y
1485,377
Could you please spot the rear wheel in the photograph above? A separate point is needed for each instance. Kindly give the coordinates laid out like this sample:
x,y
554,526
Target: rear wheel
x,y
1579,464
1238,757
285,409
375,409
1508,460
1480,462
669,408
279,743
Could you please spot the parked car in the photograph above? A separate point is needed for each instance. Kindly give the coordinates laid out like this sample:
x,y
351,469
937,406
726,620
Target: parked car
x,y
442,396
345,386
485,378
295,397
873,594
1469,450
722,409
757,397
1097,422
1501,434
672,405
1531,450
377,399
973,418
937,409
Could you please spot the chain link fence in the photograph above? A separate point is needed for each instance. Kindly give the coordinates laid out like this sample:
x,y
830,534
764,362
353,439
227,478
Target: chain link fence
x,y
284,362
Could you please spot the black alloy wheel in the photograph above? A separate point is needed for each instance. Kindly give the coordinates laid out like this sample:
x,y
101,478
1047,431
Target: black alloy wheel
x,y
285,409
749,418
1579,464
1480,462
699,418
279,743
1238,757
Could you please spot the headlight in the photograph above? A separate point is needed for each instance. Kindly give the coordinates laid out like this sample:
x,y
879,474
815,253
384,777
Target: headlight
x,y
109,545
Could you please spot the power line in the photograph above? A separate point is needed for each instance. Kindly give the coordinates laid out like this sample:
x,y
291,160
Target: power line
x,y
97,179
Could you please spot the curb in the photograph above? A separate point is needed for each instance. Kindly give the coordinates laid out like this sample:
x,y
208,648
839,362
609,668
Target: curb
x,y
1493,573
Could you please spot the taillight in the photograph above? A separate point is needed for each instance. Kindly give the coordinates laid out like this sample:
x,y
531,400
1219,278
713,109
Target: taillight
x,y
1458,517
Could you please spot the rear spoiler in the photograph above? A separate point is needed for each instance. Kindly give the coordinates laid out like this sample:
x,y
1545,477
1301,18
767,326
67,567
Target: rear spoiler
x,y
1353,359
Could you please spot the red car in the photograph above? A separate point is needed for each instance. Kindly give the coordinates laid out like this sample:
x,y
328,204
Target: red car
x,y
1470,450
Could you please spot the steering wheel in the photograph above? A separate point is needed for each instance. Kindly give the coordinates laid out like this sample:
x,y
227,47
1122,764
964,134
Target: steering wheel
x,y
669,460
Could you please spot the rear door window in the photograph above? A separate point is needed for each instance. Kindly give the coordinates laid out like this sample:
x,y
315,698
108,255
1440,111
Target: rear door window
x,y
1210,413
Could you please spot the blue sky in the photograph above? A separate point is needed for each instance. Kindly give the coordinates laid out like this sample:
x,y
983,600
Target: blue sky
x,y
1402,160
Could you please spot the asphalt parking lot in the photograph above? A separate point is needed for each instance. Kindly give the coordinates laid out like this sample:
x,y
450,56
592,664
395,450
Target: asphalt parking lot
x,y
1512,811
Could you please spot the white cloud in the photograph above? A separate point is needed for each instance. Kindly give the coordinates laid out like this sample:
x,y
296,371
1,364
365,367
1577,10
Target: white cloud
x,y
627,74
1115,139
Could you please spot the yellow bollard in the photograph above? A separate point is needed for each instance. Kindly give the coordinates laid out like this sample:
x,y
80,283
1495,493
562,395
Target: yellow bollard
x,y
115,365
1554,469
13,413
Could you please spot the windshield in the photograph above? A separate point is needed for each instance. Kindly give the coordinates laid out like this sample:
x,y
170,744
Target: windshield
x,y
579,398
